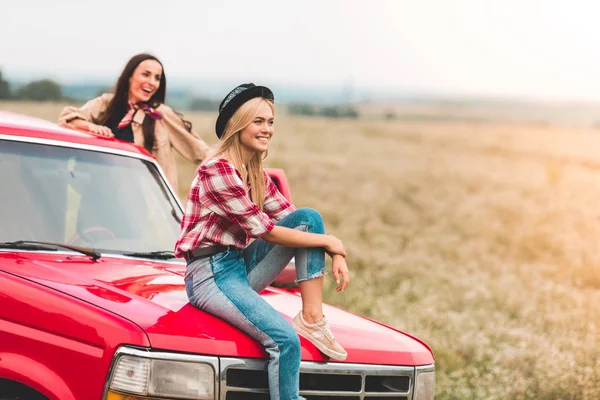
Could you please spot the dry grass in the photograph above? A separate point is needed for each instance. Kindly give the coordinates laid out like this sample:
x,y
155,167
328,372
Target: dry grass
x,y
481,239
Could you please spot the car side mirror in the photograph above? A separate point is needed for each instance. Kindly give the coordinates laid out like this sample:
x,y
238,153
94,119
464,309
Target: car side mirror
x,y
287,277
278,177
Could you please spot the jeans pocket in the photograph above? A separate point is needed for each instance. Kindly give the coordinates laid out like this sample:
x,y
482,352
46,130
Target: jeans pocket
x,y
227,263
219,256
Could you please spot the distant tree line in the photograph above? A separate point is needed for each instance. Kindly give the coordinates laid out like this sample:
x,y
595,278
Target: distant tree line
x,y
40,90
334,111
203,104
48,90
4,88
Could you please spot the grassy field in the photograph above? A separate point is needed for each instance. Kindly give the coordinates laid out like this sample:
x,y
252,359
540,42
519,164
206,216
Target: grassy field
x,y
482,239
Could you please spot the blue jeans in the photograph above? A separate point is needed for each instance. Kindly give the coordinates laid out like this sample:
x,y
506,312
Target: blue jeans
x,y
227,285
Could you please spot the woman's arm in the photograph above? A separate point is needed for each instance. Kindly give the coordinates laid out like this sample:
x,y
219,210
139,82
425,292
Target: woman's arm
x,y
90,127
189,144
81,118
340,269
276,206
294,238
333,246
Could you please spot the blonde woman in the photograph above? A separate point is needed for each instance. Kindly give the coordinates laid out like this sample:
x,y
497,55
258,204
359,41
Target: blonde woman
x,y
137,113
230,202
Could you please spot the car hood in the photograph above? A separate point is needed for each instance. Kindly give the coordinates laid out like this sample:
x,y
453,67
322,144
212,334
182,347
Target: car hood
x,y
152,295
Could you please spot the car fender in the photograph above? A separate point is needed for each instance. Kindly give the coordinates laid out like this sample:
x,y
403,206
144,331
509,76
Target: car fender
x,y
29,372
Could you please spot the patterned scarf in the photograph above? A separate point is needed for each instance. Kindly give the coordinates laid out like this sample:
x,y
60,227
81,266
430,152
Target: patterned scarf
x,y
151,112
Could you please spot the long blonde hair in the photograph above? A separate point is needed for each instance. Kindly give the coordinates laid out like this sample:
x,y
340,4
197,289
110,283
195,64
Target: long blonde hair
x,y
231,148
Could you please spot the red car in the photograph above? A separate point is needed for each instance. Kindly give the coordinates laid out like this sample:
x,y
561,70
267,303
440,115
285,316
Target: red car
x,y
93,304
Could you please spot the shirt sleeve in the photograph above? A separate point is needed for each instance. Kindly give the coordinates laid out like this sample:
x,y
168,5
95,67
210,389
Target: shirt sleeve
x,y
276,206
221,190
189,144
87,112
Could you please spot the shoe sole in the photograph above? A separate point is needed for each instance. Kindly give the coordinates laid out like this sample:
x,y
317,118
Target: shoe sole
x,y
322,348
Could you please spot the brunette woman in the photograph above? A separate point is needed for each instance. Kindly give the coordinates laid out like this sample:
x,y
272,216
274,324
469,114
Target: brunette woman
x,y
137,113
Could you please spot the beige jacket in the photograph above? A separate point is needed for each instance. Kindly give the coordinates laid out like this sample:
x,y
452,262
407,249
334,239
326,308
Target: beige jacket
x,y
170,132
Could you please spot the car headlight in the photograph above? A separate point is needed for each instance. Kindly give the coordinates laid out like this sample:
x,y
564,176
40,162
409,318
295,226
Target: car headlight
x,y
425,383
154,375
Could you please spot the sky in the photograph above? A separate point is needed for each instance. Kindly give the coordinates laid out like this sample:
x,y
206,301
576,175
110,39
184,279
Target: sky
x,y
537,49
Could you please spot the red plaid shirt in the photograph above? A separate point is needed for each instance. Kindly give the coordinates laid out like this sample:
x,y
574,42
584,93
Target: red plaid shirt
x,y
220,212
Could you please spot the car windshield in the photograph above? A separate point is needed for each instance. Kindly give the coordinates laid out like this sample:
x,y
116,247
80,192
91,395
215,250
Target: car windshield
x,y
110,202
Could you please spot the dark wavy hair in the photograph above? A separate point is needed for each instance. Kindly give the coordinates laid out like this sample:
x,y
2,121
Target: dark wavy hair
x,y
119,105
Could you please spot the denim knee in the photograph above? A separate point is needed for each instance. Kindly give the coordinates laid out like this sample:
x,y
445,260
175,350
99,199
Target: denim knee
x,y
313,219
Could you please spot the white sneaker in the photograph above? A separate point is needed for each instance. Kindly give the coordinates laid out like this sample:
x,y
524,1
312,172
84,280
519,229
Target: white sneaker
x,y
320,335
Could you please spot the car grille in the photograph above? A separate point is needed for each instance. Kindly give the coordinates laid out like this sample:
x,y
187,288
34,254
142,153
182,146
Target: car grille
x,y
247,380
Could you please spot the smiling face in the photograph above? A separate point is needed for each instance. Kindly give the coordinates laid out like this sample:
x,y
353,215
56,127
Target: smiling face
x,y
144,81
256,136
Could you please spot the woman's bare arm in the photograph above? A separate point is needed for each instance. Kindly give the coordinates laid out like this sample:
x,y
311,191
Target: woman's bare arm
x,y
340,270
294,238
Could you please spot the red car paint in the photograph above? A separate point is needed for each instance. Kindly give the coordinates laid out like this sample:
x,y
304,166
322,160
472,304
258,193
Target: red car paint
x,y
63,316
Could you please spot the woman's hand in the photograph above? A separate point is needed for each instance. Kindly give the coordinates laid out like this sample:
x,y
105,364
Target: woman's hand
x,y
335,246
88,127
340,269
99,130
